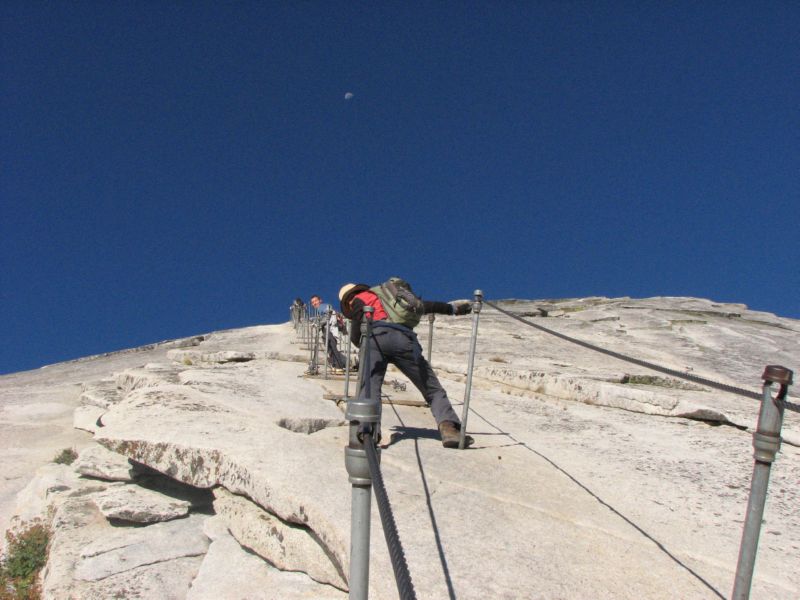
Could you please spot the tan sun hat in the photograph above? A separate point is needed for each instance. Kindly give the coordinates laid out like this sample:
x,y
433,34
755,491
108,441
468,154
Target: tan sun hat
x,y
348,290
345,288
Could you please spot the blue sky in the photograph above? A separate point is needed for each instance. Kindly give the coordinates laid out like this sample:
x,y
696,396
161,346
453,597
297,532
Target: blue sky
x,y
173,168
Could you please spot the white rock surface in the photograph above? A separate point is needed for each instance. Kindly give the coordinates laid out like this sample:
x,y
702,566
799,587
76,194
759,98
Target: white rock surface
x,y
138,505
287,547
190,357
86,417
91,559
229,571
126,549
586,479
232,438
35,498
36,412
101,393
99,462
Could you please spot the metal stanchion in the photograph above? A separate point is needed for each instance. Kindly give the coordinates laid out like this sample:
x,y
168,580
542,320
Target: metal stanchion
x,y
304,327
363,414
348,325
313,368
476,313
431,319
767,442
328,313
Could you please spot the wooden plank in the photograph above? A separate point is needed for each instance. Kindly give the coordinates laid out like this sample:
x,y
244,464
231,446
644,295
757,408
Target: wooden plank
x,y
331,377
384,400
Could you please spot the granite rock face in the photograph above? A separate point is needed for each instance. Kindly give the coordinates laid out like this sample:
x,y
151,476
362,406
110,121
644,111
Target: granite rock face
x,y
125,550
95,461
285,546
589,477
228,571
138,505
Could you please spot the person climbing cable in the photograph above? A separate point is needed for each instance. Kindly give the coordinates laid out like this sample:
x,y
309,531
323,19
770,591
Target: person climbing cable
x,y
329,323
396,312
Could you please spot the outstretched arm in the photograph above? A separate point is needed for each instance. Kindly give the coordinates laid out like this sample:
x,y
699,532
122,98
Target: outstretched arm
x,y
461,307
440,308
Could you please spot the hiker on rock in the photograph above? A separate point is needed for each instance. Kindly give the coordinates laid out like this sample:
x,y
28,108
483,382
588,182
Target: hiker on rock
x,y
397,312
329,322
297,309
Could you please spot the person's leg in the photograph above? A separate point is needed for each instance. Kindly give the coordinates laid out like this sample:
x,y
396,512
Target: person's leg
x,y
408,358
335,358
374,367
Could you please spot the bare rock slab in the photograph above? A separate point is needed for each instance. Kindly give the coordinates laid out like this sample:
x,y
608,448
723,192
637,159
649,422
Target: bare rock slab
x,y
101,463
103,393
230,571
34,500
117,562
150,375
125,549
193,357
165,581
139,505
288,547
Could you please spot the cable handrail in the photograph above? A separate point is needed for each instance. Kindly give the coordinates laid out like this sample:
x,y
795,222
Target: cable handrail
x,y
643,363
405,586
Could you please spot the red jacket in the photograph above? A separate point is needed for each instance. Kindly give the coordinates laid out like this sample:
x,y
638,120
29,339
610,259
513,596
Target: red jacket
x,y
371,299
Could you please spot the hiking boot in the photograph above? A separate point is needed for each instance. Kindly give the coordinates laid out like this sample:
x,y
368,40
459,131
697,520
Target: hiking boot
x,y
450,433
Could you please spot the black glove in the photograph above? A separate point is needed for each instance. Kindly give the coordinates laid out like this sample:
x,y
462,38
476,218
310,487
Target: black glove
x,y
461,307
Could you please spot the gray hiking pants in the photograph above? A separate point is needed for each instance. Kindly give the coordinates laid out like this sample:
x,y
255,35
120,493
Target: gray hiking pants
x,y
401,348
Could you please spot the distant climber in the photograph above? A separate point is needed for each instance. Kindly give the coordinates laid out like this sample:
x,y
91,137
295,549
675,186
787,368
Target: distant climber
x,y
397,312
297,309
329,321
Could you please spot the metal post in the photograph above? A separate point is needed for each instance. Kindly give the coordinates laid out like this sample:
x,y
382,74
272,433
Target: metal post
x,y
431,319
302,327
476,313
313,368
767,442
362,412
310,347
348,325
328,312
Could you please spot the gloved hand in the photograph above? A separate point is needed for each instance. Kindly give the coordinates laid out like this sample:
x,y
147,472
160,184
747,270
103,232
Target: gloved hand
x,y
461,307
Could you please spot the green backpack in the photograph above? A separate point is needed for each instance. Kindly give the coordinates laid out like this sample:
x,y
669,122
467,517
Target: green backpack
x,y
400,303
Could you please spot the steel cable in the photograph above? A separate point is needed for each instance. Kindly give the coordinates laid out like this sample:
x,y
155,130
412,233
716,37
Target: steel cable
x,y
790,406
643,363
405,587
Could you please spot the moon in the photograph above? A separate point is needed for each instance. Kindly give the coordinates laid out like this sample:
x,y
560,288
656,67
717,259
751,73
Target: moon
x,y
348,95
